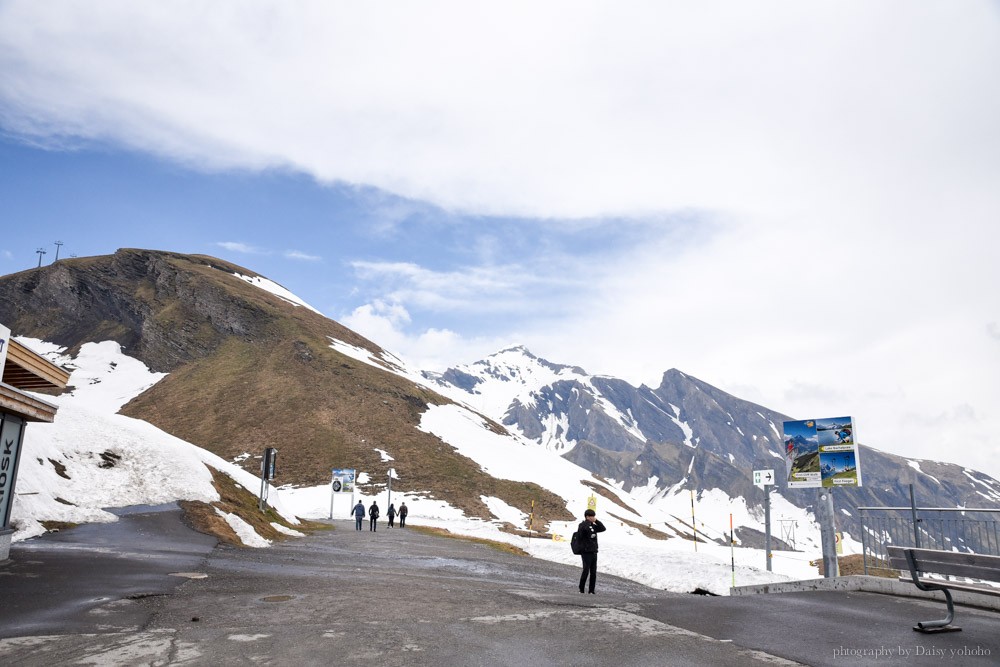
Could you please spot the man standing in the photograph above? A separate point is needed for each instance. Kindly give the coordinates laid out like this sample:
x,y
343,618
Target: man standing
x,y
373,515
587,538
359,514
402,515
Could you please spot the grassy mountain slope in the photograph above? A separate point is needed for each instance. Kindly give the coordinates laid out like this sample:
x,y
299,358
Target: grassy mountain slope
x,y
248,370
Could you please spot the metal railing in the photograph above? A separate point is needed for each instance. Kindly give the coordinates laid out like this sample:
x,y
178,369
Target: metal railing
x,y
965,530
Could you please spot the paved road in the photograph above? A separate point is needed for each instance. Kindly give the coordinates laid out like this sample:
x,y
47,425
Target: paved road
x,y
401,598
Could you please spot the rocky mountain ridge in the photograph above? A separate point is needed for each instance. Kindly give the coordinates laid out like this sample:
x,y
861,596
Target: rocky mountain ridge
x,y
683,434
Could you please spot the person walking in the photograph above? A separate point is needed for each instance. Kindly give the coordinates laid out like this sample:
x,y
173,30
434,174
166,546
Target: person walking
x,y
359,514
373,516
587,538
391,513
402,515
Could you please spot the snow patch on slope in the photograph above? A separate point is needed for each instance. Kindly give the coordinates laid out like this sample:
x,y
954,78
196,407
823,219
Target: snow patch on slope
x,y
243,530
916,466
384,361
276,289
90,459
505,512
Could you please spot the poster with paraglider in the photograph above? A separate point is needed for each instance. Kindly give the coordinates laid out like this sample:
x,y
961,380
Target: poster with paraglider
x,y
821,452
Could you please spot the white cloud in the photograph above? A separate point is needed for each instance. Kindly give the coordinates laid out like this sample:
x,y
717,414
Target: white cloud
x,y
237,246
473,289
296,254
568,109
430,349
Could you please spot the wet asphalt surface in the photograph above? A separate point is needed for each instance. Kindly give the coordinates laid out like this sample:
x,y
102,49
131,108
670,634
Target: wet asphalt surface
x,y
106,595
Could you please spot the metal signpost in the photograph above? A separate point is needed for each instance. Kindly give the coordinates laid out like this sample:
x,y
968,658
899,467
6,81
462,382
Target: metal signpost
x,y
822,454
824,512
342,482
531,517
267,472
389,502
694,526
764,479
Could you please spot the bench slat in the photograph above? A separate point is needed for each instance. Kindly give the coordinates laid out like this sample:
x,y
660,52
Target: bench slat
x,y
898,563
973,566
954,557
970,571
955,586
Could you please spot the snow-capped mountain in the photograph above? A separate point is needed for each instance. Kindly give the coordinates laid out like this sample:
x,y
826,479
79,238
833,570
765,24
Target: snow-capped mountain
x,y
558,406
685,433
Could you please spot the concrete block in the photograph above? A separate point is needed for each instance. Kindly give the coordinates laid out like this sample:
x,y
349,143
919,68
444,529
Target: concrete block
x,y
859,582
5,538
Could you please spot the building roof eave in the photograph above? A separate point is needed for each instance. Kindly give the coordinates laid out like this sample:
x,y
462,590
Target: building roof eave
x,y
24,405
28,370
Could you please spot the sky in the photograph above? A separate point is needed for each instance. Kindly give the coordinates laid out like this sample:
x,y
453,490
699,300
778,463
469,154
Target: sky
x,y
794,202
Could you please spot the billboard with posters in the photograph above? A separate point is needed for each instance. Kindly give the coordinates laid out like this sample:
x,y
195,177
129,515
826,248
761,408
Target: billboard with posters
x,y
821,452
343,480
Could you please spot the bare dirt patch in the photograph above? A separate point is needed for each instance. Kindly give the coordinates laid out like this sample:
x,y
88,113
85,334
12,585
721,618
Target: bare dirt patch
x,y
237,500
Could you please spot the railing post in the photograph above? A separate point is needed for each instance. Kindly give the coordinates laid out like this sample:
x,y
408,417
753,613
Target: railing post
x,y
864,547
913,508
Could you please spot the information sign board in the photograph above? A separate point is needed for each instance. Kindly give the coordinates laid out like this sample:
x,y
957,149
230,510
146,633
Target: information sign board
x,y
821,452
763,477
343,480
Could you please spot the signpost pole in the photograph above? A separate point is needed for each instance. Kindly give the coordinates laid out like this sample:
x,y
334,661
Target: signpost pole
x,y
264,465
263,485
765,479
767,525
531,520
824,512
332,478
694,526
732,548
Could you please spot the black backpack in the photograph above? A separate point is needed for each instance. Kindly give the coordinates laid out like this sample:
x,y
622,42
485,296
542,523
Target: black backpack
x,y
574,543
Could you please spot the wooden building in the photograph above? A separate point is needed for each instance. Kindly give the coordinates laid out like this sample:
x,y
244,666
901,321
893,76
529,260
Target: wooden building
x,y
21,371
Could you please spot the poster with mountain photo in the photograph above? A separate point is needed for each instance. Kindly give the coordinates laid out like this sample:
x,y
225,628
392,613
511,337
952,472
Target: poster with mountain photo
x,y
802,454
821,452
838,452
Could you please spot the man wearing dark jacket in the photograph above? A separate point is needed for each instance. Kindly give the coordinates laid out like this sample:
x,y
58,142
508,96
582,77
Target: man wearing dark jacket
x,y
373,513
402,515
587,538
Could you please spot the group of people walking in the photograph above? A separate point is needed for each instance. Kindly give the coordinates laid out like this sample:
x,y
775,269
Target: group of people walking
x,y
586,536
373,514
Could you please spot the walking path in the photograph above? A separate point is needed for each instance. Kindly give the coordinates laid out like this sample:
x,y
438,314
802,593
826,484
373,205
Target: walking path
x,y
105,595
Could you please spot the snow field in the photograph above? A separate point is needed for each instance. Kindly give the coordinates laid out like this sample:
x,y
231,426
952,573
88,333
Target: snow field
x,y
141,465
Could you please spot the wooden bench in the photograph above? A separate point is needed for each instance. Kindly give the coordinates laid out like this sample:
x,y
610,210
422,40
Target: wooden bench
x,y
920,562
